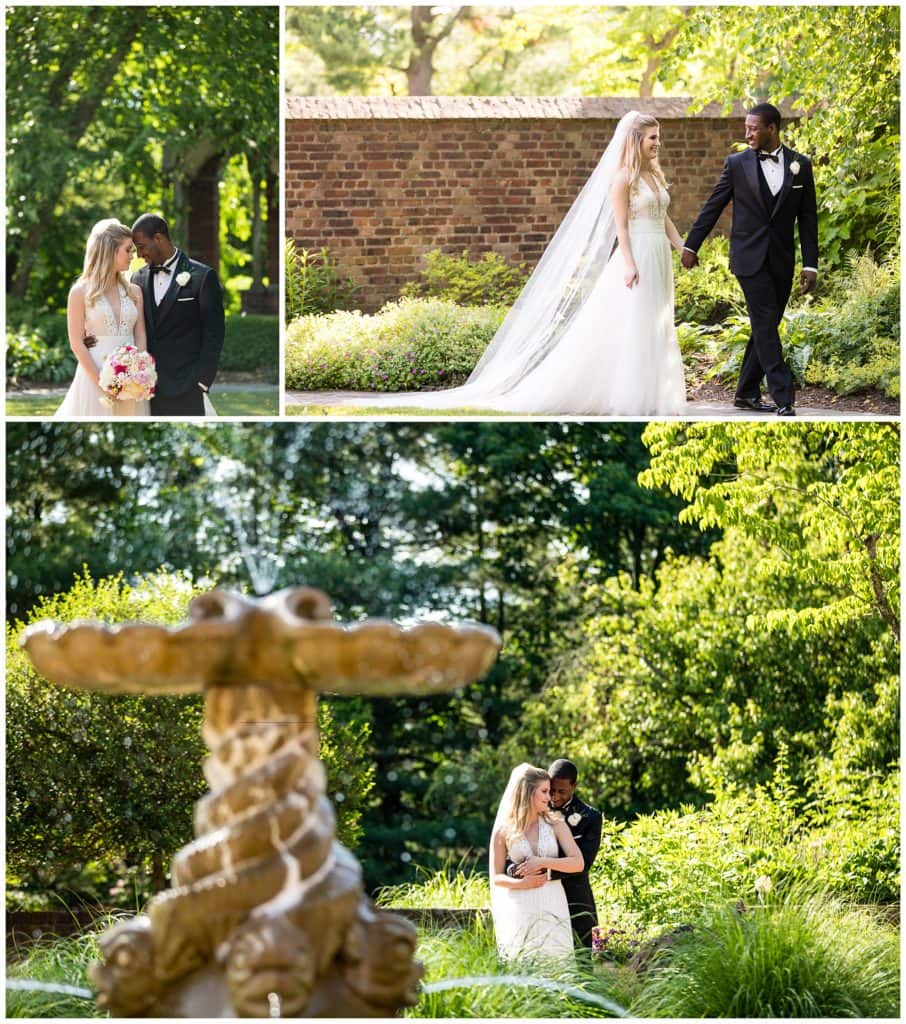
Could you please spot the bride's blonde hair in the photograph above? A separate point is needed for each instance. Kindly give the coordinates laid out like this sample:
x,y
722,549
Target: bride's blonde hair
x,y
516,806
98,271
631,155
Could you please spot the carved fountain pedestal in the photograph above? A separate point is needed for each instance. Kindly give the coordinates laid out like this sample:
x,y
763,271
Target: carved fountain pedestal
x,y
267,915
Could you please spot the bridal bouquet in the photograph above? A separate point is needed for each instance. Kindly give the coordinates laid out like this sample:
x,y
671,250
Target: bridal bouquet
x,y
128,374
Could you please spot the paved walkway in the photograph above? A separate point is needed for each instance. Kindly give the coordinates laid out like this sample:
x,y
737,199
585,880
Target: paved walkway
x,y
711,410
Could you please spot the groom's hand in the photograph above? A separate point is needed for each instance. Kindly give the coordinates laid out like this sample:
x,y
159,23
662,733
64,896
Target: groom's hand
x,y
807,281
689,259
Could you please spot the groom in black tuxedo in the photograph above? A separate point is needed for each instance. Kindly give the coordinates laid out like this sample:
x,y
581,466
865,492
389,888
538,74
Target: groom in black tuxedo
x,y
585,824
183,308
772,189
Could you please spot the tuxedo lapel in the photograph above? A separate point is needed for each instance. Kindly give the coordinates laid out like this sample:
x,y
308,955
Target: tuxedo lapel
x,y
752,173
169,299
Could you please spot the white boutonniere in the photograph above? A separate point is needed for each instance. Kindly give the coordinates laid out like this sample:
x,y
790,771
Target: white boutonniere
x,y
795,167
574,819
185,277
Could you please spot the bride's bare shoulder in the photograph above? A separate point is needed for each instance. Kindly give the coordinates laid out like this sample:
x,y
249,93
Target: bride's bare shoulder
x,y
135,293
77,293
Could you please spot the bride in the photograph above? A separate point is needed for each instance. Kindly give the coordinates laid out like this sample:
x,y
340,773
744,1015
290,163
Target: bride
x,y
530,912
592,332
103,311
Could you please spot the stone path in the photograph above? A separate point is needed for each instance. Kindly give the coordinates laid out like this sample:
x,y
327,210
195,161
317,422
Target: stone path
x,y
711,410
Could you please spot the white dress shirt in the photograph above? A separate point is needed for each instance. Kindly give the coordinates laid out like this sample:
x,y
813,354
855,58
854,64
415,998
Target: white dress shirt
x,y
163,281
773,170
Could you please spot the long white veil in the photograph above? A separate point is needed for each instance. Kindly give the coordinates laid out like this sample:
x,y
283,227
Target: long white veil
x,y
505,807
552,296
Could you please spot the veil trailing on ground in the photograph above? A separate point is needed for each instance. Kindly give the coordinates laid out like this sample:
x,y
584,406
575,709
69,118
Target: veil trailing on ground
x,y
560,283
553,295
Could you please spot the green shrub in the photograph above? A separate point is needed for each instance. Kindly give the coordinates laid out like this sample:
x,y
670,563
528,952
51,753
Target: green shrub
x,y
314,284
847,340
252,345
803,956
708,293
489,281
37,344
408,345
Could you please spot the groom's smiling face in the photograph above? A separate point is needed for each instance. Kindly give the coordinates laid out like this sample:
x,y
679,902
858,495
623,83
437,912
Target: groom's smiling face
x,y
561,792
761,136
153,249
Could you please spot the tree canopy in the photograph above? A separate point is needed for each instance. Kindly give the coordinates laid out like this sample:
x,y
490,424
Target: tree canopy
x,y
110,111
802,56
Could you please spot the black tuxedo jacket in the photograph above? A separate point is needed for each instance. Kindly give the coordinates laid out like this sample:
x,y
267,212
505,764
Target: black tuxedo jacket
x,y
587,834
185,333
761,231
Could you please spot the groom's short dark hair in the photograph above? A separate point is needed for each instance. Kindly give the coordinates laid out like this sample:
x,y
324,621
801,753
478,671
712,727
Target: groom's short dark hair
x,y
151,224
563,769
768,113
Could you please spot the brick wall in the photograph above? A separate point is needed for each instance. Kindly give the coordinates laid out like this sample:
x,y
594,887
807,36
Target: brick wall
x,y
380,182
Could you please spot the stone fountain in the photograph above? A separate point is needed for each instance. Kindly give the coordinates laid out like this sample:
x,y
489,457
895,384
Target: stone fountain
x,y
267,915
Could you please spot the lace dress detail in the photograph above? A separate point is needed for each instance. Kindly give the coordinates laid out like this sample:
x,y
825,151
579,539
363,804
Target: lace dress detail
x,y
532,922
83,397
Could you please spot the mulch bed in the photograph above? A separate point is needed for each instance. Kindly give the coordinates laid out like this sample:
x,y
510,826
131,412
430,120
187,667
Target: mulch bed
x,y
866,403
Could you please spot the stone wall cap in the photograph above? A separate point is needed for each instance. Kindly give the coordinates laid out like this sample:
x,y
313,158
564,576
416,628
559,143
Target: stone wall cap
x,y
353,108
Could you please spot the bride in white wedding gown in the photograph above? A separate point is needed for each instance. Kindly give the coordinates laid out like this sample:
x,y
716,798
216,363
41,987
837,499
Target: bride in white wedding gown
x,y
103,312
530,911
592,332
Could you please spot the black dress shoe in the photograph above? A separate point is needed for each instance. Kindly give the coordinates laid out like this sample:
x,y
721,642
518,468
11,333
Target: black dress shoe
x,y
753,405
786,410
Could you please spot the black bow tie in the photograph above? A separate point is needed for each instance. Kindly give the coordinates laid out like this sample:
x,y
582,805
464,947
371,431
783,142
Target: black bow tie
x,y
770,156
161,270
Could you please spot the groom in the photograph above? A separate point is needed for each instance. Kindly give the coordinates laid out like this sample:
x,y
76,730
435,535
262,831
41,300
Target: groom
x,y
772,188
183,309
585,824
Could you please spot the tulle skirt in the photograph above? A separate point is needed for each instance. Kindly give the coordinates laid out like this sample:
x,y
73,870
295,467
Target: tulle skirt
x,y
620,356
532,922
83,399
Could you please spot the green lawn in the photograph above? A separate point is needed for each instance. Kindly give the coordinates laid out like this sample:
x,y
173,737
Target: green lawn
x,y
227,403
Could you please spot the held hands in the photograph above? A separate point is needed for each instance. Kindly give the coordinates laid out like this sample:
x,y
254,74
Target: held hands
x,y
807,281
689,259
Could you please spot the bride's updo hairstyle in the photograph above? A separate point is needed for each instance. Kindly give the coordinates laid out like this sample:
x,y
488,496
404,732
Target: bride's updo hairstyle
x,y
516,806
631,156
98,272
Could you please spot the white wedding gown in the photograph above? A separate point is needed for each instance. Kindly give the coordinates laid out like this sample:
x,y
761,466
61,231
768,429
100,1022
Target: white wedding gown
x,y
532,922
620,356
616,355
83,397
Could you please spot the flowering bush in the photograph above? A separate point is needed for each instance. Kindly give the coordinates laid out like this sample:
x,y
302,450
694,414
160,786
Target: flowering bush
x,y
410,345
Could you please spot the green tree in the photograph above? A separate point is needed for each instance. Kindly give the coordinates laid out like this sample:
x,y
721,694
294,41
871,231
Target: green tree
x,y
124,106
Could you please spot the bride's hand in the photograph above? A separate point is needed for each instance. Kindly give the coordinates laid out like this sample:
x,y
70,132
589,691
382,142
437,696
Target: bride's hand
x,y
534,881
530,866
631,275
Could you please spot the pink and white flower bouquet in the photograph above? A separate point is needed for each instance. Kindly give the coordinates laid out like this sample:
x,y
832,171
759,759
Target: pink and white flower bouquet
x,y
128,375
